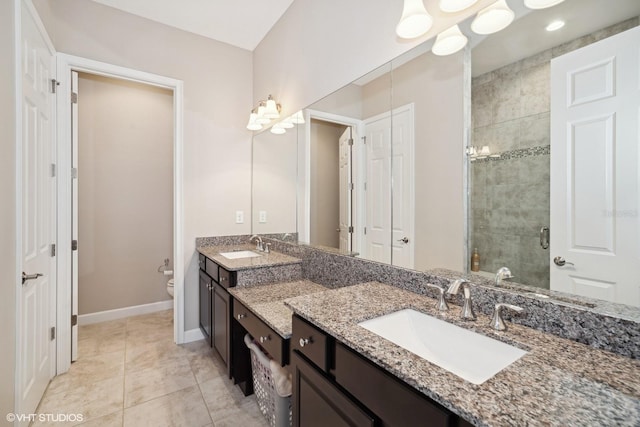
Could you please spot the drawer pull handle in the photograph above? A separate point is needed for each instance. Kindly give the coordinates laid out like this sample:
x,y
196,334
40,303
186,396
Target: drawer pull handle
x,y
241,316
264,339
305,341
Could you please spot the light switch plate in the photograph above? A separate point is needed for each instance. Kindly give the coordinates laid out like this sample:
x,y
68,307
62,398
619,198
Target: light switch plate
x,y
262,217
239,217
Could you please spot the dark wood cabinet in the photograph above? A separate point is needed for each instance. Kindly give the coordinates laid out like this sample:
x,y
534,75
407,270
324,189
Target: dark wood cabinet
x,y
205,291
269,340
334,385
222,324
318,402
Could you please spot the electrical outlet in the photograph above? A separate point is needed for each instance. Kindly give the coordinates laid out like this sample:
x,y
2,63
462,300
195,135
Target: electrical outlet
x,y
239,217
262,217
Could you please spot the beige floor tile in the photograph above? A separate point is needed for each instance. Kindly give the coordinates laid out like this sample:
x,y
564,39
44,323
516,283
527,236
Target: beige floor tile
x,y
89,370
103,328
222,398
206,366
182,408
81,405
147,384
108,343
112,420
151,355
248,415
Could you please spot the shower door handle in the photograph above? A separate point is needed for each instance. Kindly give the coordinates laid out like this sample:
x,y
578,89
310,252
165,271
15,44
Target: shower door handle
x,y
544,237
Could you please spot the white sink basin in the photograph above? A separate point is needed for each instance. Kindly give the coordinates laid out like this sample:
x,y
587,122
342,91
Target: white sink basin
x,y
471,356
239,254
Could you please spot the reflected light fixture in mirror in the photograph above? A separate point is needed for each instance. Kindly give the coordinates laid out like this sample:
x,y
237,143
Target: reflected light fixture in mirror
x,y
449,41
278,129
297,118
287,123
554,26
493,18
415,20
452,6
541,4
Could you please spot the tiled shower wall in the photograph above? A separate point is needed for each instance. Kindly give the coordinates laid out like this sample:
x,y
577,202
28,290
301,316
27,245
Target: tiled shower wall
x,y
510,195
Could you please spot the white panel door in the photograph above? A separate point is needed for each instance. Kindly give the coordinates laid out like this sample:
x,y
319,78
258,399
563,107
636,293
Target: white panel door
x,y
595,105
74,215
345,190
37,294
378,189
402,240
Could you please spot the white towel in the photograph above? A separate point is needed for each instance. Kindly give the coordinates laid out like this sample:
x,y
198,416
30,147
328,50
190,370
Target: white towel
x,y
282,379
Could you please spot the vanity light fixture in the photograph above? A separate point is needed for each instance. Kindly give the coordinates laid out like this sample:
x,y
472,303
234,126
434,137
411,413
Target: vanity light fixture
x,y
541,4
452,6
449,41
263,114
493,18
555,25
415,20
277,129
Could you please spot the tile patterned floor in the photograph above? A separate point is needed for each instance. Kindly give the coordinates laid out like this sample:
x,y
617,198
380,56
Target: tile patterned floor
x,y
130,373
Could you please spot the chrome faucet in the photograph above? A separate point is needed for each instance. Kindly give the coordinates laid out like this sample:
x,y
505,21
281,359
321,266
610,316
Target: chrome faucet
x,y
259,243
467,308
442,302
503,274
497,322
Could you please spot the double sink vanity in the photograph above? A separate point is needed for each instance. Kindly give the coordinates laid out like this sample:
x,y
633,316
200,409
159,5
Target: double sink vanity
x,y
369,344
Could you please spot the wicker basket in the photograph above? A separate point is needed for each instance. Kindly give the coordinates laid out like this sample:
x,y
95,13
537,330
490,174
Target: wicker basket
x,y
275,408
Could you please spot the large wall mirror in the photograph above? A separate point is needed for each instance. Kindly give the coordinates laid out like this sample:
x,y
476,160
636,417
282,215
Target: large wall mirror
x,y
424,160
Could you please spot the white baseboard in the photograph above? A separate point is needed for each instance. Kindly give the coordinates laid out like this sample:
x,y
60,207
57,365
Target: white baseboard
x,y
119,313
193,335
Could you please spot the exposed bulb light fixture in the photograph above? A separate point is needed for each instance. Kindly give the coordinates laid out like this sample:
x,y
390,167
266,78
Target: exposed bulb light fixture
x,y
449,41
555,25
452,6
493,18
415,20
541,4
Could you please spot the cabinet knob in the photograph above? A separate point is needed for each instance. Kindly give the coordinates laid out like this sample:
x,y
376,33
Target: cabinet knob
x,y
241,316
264,339
305,341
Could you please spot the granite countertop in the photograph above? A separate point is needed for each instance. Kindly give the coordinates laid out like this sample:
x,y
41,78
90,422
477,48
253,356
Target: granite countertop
x,y
267,302
264,260
558,382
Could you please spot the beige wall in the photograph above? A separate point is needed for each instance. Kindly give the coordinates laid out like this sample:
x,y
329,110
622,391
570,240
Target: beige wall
x,y
320,46
7,214
325,176
125,192
217,96
435,85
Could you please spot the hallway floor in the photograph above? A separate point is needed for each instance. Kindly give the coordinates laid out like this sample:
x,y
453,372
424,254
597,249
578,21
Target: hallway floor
x,y
130,373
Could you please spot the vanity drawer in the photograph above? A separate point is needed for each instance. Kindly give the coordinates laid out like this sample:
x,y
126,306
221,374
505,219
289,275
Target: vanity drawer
x,y
211,268
311,342
227,279
274,344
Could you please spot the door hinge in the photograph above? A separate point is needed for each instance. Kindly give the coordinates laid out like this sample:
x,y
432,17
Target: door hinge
x,y
74,245
54,85
350,141
365,186
74,319
53,249
352,186
74,173
53,333
351,229
53,170
364,139
365,231
74,98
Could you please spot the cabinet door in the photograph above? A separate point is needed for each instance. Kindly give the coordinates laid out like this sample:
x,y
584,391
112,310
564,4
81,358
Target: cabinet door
x,y
221,323
205,306
319,403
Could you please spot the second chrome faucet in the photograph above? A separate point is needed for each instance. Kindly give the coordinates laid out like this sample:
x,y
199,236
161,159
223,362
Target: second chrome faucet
x,y
467,308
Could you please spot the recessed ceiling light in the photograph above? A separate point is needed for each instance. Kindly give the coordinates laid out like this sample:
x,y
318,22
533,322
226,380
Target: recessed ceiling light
x,y
555,25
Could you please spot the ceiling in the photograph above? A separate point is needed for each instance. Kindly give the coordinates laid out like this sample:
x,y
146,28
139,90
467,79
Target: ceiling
x,y
241,23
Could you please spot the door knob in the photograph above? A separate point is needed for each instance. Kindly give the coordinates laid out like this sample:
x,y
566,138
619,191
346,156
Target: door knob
x,y
404,240
26,276
559,261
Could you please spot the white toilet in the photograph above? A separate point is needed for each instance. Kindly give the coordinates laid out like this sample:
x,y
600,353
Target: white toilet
x,y
170,287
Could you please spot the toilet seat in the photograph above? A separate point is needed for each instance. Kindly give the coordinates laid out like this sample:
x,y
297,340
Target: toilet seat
x,y
170,284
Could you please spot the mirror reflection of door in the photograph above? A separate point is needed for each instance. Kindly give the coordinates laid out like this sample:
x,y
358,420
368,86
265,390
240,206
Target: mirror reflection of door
x,y
345,229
